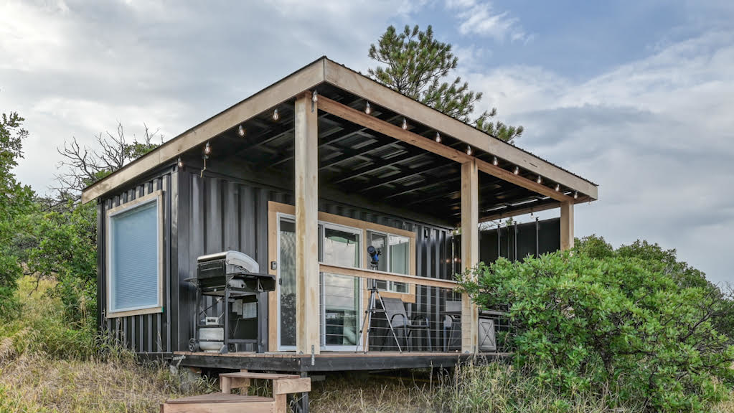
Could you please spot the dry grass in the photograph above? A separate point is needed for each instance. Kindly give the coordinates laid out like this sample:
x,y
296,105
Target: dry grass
x,y
36,383
346,393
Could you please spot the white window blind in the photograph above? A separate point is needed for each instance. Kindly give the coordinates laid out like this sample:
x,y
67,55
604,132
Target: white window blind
x,y
133,260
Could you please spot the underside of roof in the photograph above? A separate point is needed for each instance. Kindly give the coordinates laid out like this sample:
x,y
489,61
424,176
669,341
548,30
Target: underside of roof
x,y
359,161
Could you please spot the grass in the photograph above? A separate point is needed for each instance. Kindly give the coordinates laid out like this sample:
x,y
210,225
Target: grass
x,y
48,366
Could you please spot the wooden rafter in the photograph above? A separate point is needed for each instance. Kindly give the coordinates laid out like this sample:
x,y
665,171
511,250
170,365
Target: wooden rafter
x,y
394,131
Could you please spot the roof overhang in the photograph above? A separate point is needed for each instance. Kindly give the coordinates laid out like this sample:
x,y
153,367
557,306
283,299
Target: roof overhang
x,y
322,71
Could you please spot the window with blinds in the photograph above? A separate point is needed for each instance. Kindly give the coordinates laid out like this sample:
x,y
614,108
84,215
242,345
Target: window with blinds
x,y
134,256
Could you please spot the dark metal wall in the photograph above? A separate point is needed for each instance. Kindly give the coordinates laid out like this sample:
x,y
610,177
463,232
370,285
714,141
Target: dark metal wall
x,y
150,332
517,241
218,212
221,213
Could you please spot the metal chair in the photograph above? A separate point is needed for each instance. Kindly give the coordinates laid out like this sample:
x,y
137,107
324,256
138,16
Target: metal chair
x,y
395,312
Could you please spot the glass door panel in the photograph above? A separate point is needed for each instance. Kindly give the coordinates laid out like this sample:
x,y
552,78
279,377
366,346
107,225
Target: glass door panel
x,y
399,260
340,293
287,283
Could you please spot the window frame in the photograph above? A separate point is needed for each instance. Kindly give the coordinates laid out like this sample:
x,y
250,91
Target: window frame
x,y
153,197
277,210
386,256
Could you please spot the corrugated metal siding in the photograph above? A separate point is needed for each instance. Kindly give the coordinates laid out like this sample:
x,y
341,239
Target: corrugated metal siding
x,y
517,241
149,332
212,214
224,213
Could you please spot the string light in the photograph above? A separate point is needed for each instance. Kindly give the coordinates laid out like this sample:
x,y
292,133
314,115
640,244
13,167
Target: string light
x,y
241,131
576,195
315,96
367,108
517,170
539,180
276,116
558,187
438,137
495,161
405,124
207,149
179,162
468,150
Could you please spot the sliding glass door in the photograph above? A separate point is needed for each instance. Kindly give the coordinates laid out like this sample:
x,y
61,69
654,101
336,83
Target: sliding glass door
x,y
340,295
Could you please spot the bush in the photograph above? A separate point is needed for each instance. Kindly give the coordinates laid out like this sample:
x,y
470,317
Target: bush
x,y
598,319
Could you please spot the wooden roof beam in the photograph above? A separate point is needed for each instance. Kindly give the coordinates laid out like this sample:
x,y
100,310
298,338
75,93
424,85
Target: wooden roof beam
x,y
414,111
394,131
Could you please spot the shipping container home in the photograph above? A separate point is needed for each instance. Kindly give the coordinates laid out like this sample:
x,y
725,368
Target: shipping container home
x,y
339,201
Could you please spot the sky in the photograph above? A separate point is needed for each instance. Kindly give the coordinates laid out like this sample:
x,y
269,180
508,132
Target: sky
x,y
637,96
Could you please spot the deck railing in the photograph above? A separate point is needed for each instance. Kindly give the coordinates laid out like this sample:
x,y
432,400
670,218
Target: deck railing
x,y
425,313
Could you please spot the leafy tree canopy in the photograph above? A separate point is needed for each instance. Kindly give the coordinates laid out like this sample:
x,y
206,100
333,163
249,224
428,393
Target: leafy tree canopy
x,y
419,66
15,200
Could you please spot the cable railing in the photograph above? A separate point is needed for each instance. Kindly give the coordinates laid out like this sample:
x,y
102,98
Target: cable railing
x,y
372,311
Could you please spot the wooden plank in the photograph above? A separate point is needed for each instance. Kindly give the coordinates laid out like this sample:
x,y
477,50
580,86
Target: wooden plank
x,y
287,386
308,299
387,276
380,95
395,131
262,101
262,376
469,252
566,226
273,295
235,407
521,211
225,384
281,403
219,398
345,221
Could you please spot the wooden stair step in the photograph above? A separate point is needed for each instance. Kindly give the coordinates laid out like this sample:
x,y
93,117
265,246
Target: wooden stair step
x,y
219,398
266,376
222,403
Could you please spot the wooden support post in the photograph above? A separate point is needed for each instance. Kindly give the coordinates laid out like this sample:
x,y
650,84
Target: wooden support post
x,y
566,226
307,243
469,251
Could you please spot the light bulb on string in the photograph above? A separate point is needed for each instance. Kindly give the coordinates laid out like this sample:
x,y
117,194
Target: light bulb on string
x,y
315,97
207,149
539,180
276,116
405,124
367,108
495,161
558,187
438,137
241,131
179,162
516,171
576,195
468,150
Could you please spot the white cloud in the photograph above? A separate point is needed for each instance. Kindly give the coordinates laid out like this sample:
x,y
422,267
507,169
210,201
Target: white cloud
x,y
657,135
76,68
479,17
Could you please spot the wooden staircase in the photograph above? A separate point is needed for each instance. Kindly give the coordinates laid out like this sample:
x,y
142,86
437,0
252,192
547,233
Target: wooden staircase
x,y
225,402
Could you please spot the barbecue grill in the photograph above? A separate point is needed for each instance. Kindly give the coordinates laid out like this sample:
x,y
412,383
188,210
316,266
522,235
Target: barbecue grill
x,y
228,285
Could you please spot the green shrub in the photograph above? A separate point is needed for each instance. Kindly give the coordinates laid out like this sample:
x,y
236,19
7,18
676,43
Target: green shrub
x,y
597,319
42,326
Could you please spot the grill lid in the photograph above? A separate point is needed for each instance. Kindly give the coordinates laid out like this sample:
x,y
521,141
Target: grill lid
x,y
235,258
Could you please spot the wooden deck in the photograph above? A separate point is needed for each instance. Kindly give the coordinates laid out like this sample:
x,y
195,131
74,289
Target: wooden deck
x,y
328,361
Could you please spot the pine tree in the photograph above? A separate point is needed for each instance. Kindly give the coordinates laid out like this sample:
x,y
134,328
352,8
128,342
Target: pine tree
x,y
419,66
